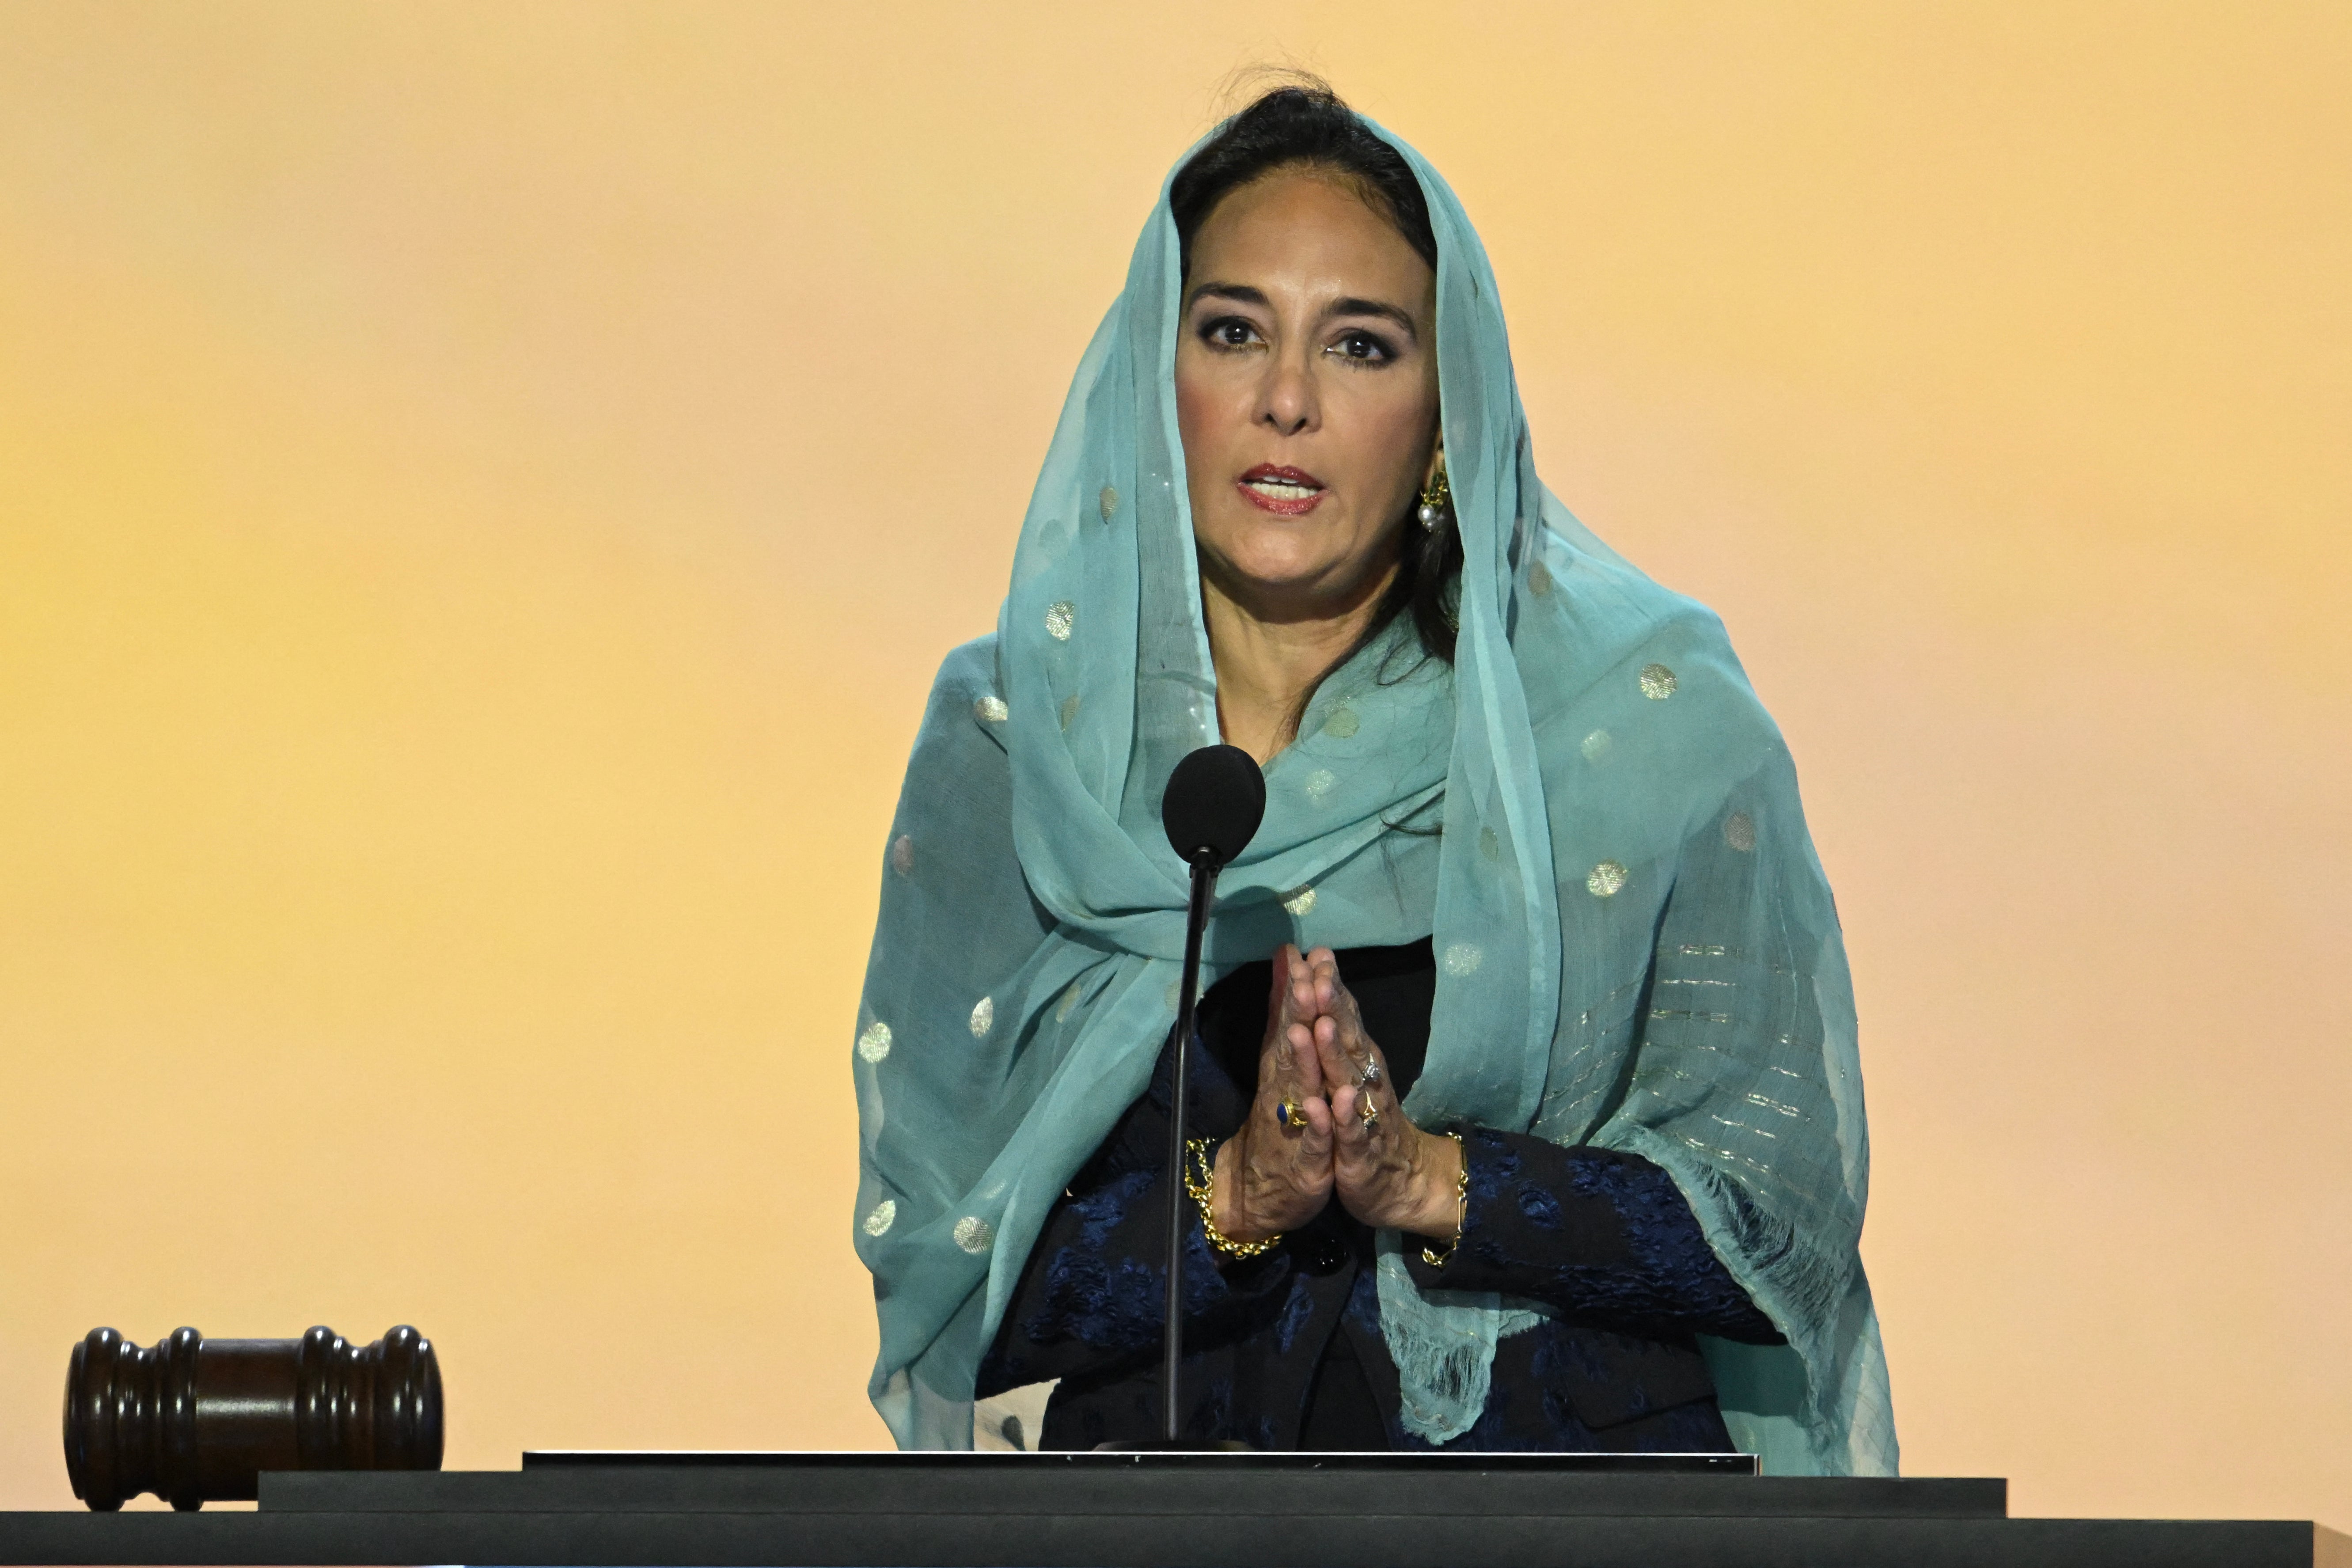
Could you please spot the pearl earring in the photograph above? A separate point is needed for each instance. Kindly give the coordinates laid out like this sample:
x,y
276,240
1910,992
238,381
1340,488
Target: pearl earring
x,y
1436,501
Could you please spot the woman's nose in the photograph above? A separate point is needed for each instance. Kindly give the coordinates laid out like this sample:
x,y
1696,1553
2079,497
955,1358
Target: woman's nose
x,y
1287,399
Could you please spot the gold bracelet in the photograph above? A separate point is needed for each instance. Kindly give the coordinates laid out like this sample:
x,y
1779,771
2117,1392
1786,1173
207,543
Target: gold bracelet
x,y
1202,1189
1429,1255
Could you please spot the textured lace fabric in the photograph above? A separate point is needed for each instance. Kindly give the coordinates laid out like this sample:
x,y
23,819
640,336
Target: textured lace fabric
x,y
1602,1237
1287,1350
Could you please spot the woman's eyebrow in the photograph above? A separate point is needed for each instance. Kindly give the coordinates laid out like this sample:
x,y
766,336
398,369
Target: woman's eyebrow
x,y
1386,312
1240,293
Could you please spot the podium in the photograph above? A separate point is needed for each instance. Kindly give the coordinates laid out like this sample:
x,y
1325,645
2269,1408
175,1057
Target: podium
x,y
1148,1510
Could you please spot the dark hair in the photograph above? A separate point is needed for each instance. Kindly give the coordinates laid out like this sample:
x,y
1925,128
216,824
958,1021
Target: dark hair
x,y
1305,125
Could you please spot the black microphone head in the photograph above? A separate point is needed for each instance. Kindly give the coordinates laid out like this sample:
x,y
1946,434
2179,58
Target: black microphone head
x,y
1215,799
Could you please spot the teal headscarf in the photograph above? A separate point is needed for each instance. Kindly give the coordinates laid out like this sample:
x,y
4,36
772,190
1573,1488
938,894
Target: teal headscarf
x,y
1636,946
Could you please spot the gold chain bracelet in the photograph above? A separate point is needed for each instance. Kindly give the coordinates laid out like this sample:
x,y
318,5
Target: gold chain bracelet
x,y
1429,1255
1201,1184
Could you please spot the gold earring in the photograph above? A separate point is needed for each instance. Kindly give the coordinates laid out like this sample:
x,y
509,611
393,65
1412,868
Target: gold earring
x,y
1436,500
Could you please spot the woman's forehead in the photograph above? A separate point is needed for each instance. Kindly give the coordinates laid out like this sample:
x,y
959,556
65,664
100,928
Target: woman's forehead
x,y
1310,230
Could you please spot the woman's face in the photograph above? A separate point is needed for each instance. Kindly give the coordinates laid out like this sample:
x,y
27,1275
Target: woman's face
x,y
1306,394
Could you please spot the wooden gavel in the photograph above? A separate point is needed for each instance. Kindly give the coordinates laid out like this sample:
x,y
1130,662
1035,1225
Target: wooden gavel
x,y
195,1420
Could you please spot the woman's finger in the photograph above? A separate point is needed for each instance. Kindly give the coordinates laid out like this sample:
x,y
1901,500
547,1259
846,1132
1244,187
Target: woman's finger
x,y
1288,1064
1334,1061
1278,995
1305,1064
1308,977
1349,1017
1351,1055
1289,999
1350,1134
1314,1147
1323,973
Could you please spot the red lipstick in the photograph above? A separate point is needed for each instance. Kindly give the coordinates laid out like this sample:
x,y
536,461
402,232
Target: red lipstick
x,y
1284,491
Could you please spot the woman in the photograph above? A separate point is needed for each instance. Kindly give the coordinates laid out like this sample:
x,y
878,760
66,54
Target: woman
x,y
1529,1115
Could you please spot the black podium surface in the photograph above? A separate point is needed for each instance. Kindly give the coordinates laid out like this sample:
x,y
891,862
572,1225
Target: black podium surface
x,y
1153,1511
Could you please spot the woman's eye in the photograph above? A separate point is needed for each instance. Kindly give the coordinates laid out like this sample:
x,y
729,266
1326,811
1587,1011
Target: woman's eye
x,y
1363,347
1230,333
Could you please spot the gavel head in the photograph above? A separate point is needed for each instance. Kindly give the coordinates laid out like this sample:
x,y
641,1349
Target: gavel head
x,y
196,1421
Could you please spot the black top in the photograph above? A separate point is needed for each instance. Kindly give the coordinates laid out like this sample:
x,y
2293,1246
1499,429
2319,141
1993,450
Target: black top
x,y
1286,1351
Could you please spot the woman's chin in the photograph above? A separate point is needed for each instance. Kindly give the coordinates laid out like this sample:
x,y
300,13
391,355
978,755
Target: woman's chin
x,y
1283,592
1284,562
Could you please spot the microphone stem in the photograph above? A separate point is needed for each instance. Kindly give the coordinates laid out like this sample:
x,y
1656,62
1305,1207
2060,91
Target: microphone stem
x,y
1196,922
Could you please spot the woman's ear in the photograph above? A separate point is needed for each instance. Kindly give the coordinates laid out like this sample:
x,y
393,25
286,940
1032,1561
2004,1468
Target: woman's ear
x,y
1436,460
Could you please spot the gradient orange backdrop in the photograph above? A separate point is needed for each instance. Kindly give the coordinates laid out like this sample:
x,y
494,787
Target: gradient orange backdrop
x,y
483,490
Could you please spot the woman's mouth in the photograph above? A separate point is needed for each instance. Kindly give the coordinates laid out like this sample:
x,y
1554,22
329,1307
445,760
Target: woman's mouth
x,y
1285,492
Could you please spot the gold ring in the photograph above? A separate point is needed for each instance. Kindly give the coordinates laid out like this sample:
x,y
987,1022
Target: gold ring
x,y
1288,1114
1368,1110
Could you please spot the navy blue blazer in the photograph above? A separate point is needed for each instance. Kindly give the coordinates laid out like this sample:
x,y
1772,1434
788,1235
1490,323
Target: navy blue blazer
x,y
1285,1350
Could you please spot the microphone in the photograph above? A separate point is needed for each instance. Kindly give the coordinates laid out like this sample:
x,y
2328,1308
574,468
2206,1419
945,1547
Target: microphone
x,y
1216,800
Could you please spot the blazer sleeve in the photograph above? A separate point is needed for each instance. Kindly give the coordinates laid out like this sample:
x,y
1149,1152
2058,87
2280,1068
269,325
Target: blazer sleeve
x,y
1092,1295
1605,1237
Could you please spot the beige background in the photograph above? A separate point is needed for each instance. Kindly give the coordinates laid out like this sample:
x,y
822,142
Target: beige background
x,y
483,489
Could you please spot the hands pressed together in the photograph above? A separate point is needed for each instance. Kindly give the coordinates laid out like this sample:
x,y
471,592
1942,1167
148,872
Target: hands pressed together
x,y
1327,1122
